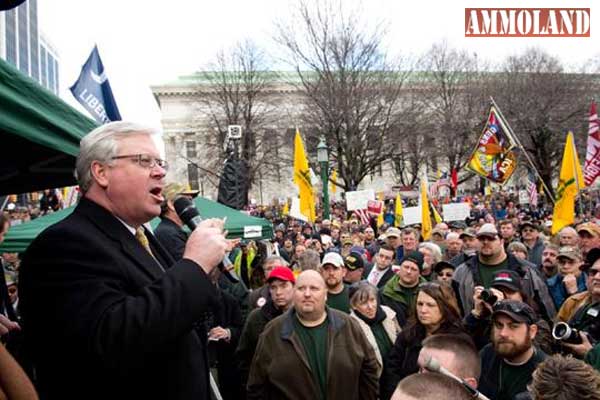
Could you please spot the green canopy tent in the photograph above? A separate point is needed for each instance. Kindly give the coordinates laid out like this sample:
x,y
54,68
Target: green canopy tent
x,y
39,133
238,225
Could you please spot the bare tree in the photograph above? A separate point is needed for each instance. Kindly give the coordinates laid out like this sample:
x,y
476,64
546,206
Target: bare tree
x,y
351,89
236,90
454,97
541,102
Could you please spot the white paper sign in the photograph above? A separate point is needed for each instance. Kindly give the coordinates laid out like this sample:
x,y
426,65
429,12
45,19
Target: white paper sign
x,y
252,231
295,210
358,199
456,211
523,197
412,215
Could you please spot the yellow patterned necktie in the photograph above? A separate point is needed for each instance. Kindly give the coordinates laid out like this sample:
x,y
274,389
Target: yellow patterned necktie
x,y
143,239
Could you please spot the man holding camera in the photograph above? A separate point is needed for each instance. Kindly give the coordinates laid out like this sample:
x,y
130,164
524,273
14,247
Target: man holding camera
x,y
582,310
492,258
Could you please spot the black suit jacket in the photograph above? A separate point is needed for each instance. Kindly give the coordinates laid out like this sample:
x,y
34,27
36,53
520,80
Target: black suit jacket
x,y
386,277
102,320
171,237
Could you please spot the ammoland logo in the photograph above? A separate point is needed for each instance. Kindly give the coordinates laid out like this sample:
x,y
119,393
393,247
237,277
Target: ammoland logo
x,y
527,22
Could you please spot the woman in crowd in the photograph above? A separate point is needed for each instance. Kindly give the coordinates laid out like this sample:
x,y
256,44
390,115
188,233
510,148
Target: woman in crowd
x,y
436,311
378,322
518,250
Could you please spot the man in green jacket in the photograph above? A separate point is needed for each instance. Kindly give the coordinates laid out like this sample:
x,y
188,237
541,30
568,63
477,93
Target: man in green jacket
x,y
313,352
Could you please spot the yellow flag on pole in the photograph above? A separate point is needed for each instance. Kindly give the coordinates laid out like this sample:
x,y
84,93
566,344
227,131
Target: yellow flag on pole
x,y
425,215
332,186
302,179
436,215
380,220
286,209
569,183
398,212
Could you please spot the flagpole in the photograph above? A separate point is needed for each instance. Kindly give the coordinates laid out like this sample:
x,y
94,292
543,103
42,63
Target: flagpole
x,y
516,139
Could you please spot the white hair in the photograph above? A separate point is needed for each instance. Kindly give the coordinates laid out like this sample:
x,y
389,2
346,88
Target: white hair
x,y
101,145
436,251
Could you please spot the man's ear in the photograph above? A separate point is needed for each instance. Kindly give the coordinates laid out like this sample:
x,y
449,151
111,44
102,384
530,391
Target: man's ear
x,y
99,172
533,329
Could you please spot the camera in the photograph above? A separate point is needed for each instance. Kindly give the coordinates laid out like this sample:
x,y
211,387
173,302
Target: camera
x,y
563,332
488,297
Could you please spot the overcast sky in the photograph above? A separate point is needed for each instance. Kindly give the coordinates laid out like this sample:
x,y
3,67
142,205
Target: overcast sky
x,y
143,43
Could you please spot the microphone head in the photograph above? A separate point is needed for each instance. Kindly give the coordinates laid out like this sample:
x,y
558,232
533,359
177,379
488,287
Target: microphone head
x,y
185,209
431,364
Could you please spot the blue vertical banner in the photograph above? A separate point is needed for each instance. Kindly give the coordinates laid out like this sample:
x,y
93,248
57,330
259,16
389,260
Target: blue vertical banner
x,y
93,91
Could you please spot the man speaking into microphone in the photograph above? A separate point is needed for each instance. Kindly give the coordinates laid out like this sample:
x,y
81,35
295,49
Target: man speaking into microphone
x,y
107,313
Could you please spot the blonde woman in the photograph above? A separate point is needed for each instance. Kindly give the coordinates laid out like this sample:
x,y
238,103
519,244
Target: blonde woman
x,y
378,322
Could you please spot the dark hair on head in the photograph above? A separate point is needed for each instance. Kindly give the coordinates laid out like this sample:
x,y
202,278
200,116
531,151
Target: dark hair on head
x,y
506,222
445,298
464,350
386,247
432,386
565,378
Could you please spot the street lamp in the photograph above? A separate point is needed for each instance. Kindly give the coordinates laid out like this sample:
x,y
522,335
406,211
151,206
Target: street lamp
x,y
323,159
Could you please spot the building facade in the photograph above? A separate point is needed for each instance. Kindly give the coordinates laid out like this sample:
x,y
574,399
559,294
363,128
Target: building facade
x,y
189,133
24,46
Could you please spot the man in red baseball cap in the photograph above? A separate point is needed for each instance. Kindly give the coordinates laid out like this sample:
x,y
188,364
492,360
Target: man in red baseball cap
x,y
281,292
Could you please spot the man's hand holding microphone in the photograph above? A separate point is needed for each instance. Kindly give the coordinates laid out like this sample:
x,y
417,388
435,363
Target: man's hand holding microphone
x,y
207,245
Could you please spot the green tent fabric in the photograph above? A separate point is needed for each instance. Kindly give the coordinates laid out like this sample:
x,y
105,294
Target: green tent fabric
x,y
39,133
238,225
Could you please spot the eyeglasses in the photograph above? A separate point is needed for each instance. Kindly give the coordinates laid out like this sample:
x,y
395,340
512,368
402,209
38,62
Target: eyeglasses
x,y
593,272
145,160
528,230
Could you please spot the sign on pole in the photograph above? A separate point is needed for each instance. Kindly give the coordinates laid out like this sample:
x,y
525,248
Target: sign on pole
x,y
456,211
359,199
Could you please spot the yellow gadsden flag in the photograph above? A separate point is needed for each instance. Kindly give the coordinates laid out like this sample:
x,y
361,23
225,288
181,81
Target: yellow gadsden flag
x,y
398,212
425,213
380,219
302,179
332,186
569,184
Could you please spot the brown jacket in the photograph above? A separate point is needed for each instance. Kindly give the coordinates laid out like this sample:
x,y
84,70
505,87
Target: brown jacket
x,y
280,368
571,305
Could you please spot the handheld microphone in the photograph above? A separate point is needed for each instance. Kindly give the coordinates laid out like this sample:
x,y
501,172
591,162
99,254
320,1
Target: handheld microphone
x,y
433,365
189,215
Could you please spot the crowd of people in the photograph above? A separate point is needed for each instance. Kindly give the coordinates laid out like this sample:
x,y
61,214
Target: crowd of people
x,y
101,307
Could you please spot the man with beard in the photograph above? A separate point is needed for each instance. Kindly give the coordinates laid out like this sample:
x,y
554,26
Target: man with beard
x,y
550,260
313,352
281,292
479,270
509,361
333,271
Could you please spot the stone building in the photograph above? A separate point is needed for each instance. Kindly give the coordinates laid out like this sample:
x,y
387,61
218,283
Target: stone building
x,y
189,137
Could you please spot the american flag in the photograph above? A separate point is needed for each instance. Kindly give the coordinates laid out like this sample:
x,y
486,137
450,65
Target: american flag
x,y
532,188
363,215
591,169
